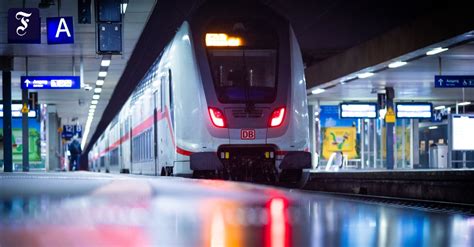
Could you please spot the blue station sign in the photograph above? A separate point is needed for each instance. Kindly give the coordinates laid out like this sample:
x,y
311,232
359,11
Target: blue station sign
x,y
60,30
50,82
24,26
454,81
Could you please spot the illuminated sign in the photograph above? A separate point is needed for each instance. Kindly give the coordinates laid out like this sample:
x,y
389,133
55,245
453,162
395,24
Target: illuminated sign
x,y
50,82
60,30
414,110
358,110
462,134
24,26
16,111
222,39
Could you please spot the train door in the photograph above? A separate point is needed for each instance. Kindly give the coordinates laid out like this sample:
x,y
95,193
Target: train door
x,y
156,108
163,140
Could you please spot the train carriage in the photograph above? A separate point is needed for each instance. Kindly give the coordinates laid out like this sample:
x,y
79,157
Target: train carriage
x,y
226,98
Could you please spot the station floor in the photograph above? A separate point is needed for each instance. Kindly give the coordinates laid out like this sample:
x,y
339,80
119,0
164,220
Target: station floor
x,y
92,209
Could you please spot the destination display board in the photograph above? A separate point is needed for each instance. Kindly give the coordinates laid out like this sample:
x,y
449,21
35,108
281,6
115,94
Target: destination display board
x,y
414,110
358,110
16,111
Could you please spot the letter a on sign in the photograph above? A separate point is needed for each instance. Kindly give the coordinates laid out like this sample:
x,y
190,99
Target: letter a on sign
x,y
60,30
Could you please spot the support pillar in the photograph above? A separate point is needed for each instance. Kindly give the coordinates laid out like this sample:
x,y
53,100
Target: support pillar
x,y
312,136
389,127
25,133
6,65
52,138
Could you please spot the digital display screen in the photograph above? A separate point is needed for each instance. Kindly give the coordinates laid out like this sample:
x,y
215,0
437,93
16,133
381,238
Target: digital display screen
x,y
414,110
16,111
462,132
358,110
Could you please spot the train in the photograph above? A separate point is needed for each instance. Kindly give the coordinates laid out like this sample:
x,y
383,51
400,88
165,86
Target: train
x,y
226,99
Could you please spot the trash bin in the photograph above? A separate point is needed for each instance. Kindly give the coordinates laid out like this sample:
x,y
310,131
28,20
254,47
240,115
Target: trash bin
x,y
438,156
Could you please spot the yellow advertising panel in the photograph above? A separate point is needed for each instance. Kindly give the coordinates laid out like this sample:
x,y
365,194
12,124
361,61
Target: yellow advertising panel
x,y
340,139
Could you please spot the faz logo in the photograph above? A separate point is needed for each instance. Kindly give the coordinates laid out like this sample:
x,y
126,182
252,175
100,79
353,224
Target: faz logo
x,y
24,26
247,134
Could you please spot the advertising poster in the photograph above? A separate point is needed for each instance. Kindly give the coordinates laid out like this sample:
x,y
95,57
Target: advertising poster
x,y
34,145
338,134
340,139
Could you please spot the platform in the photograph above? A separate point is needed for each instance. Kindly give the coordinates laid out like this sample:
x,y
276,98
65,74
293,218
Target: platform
x,y
90,209
455,186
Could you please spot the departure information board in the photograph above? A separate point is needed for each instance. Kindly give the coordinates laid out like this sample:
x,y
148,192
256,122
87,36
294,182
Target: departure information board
x,y
414,110
358,110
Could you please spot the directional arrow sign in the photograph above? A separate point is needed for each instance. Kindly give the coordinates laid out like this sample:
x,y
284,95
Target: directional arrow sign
x,y
454,81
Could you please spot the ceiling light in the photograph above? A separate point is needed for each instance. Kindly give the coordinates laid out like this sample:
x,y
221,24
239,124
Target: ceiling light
x,y
433,127
97,90
94,102
93,107
102,73
91,110
464,103
318,91
105,62
436,51
441,107
397,64
99,82
96,96
365,75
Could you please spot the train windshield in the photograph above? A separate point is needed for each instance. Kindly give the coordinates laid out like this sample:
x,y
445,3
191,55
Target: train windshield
x,y
243,62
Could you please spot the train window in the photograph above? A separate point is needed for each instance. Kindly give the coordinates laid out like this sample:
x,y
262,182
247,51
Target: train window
x,y
244,73
162,90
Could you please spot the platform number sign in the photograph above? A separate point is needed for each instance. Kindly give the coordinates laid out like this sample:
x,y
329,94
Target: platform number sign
x,y
70,131
60,30
24,26
247,134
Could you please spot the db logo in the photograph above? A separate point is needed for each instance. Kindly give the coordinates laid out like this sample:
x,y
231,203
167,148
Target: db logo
x,y
247,134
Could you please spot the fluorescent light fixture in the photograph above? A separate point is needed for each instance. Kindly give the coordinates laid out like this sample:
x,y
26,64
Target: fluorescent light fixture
x,y
436,51
97,90
105,62
397,64
102,73
464,103
344,80
99,82
365,75
91,110
440,107
318,91
94,102
433,127
96,96
92,106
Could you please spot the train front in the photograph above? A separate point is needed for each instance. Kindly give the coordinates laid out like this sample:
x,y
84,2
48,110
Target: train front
x,y
253,79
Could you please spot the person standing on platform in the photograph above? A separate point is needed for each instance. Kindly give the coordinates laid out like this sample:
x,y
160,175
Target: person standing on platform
x,y
75,150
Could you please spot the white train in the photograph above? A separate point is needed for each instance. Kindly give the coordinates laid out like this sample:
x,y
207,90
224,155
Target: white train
x,y
226,98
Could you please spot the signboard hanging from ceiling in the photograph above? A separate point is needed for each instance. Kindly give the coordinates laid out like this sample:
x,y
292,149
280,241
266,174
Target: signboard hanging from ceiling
x,y
454,81
60,30
414,110
50,82
24,25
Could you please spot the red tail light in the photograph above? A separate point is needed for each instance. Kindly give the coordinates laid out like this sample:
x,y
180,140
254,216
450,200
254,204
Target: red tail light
x,y
217,117
277,117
